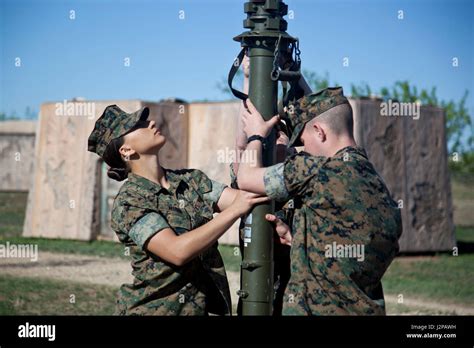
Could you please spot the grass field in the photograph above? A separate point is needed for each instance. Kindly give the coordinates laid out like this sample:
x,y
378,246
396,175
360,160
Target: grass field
x,y
12,213
441,277
444,278
463,200
25,296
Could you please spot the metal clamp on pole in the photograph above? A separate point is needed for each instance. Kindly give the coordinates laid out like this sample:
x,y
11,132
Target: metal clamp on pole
x,y
250,265
285,75
293,73
242,293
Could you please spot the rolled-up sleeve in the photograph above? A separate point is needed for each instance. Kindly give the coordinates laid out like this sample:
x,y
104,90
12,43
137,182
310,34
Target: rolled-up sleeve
x,y
274,183
215,193
211,190
138,223
146,227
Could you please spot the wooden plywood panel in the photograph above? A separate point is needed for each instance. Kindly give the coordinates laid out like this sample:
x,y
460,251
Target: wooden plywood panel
x,y
429,203
212,129
63,201
411,157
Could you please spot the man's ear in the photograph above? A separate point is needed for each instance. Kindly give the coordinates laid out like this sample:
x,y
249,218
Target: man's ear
x,y
319,131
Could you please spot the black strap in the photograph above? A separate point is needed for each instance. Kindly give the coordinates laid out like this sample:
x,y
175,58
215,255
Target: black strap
x,y
232,72
291,75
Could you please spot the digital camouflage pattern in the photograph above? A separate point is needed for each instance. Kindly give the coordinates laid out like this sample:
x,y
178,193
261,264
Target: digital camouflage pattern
x,y
113,123
310,106
339,200
141,209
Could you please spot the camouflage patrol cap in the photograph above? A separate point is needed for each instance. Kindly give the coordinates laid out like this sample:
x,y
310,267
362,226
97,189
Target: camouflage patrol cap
x,y
310,106
113,123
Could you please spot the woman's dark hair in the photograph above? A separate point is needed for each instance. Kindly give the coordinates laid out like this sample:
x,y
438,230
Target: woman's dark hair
x,y
118,168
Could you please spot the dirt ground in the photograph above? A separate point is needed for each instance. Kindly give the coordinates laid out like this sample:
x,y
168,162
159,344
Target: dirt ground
x,y
114,272
79,268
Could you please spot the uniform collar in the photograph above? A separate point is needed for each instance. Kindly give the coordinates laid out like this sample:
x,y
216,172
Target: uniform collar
x,y
173,179
351,149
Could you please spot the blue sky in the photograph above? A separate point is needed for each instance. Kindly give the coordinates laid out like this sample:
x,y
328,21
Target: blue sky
x,y
172,57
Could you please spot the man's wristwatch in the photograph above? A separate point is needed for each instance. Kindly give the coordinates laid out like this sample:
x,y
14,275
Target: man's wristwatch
x,y
256,137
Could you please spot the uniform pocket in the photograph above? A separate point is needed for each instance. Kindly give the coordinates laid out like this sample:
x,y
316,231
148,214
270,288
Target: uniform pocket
x,y
178,220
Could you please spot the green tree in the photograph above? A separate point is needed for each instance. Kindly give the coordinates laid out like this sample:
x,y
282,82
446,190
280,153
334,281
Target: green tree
x,y
5,117
28,114
459,125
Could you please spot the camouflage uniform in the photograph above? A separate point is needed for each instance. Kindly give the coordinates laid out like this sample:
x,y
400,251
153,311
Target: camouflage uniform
x,y
340,203
143,208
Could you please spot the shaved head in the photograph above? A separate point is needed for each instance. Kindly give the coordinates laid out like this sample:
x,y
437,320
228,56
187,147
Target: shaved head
x,y
338,119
